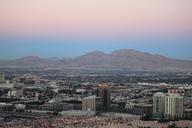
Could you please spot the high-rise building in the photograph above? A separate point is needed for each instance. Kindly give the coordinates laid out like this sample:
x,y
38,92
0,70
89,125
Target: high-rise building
x,y
2,77
158,104
173,106
91,103
104,91
169,105
88,103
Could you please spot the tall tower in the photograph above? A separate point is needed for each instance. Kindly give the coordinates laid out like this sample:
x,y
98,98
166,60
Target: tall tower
x,y
2,77
104,91
173,106
158,104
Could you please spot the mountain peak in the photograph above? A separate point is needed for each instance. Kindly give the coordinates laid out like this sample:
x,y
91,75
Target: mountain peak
x,y
130,53
127,51
96,52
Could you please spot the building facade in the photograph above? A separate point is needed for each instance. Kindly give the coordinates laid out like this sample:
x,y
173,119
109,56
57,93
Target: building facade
x,y
168,105
91,103
104,91
17,90
158,105
2,77
173,106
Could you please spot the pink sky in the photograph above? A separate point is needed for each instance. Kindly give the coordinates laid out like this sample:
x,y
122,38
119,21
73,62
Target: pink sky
x,y
95,17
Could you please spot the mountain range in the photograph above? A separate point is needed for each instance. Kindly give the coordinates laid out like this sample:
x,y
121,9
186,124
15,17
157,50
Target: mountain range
x,y
120,59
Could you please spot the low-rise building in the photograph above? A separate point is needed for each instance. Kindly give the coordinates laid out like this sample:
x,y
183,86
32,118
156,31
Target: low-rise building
x,y
17,90
4,107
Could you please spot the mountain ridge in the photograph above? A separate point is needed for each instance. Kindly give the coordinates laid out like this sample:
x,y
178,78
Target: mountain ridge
x,y
124,58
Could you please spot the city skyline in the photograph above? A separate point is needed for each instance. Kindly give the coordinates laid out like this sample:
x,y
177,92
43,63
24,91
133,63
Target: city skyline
x,y
95,63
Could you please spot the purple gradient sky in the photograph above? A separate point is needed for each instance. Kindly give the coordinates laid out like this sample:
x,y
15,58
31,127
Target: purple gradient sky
x,y
163,23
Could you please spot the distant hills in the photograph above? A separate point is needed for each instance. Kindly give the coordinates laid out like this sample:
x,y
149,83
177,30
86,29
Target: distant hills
x,y
121,59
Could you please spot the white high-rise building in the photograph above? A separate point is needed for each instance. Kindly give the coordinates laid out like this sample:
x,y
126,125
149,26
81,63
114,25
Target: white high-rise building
x,y
169,105
173,106
158,104
88,103
91,103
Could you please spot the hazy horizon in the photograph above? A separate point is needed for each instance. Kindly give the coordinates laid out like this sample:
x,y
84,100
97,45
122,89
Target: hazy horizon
x,y
60,28
89,52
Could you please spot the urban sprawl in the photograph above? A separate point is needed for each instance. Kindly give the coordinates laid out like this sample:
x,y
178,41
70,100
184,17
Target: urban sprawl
x,y
84,98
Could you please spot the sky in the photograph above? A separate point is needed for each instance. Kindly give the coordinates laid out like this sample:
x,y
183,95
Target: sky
x,y
69,28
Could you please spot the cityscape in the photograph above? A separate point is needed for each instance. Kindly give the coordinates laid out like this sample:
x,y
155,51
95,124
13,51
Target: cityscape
x,y
31,98
96,64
